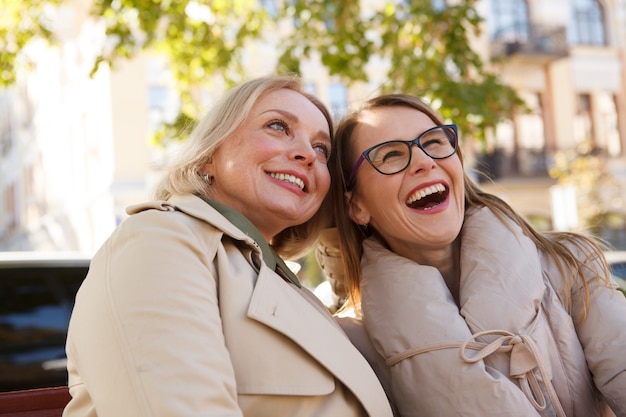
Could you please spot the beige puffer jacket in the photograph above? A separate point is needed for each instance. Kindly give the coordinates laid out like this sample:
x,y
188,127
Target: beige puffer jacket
x,y
511,349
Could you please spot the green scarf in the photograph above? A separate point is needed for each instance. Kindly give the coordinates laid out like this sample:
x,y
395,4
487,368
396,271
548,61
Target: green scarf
x,y
270,257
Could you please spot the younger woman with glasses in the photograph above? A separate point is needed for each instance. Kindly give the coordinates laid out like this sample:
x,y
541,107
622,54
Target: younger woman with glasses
x,y
473,311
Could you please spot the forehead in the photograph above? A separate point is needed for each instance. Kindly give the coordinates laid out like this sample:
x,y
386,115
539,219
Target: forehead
x,y
276,97
390,123
291,104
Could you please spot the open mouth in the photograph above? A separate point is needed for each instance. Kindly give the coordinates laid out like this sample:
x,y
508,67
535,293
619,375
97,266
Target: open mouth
x,y
429,197
291,179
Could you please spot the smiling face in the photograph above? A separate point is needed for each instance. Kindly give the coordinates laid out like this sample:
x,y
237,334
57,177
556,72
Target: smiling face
x,y
418,211
273,167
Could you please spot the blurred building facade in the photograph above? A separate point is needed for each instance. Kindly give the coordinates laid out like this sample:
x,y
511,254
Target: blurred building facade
x,y
56,157
74,149
567,59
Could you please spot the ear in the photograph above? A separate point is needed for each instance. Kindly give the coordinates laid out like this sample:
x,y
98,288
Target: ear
x,y
206,167
357,212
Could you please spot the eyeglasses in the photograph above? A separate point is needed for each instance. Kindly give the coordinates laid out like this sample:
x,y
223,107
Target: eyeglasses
x,y
394,156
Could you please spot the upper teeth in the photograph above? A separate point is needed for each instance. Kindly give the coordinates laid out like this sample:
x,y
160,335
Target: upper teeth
x,y
437,188
289,178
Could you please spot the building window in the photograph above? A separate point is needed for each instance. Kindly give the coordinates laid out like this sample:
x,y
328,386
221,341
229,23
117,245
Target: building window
x,y
510,20
583,123
608,130
587,23
6,126
531,137
530,125
338,100
9,202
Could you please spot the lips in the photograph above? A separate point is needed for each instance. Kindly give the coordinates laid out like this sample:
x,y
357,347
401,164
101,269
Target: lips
x,y
428,197
291,179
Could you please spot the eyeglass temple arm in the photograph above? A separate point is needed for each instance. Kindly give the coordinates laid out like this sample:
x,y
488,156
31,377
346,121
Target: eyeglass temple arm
x,y
355,169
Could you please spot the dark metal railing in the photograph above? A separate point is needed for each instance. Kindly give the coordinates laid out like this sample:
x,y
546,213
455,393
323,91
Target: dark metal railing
x,y
530,40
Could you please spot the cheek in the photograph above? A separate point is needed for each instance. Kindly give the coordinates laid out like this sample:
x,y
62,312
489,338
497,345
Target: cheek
x,y
454,168
323,179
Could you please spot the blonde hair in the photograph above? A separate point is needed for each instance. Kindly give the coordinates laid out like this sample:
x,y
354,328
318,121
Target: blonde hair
x,y
557,245
228,113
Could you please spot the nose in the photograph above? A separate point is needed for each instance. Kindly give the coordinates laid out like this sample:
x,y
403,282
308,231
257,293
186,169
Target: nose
x,y
420,159
303,151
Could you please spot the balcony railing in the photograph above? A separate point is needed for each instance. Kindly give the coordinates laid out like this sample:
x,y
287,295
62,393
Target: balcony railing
x,y
533,41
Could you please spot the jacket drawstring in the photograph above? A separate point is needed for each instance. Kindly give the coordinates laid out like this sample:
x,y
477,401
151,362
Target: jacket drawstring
x,y
524,358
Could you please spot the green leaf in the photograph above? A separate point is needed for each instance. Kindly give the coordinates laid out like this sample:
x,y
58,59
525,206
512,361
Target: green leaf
x,y
429,51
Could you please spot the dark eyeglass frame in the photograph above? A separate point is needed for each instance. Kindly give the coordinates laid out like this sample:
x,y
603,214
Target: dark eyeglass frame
x,y
365,154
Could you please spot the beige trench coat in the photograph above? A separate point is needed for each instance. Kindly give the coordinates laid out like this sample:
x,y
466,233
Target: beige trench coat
x,y
173,320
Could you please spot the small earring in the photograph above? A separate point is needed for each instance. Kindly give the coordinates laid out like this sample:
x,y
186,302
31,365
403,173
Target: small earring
x,y
208,178
364,224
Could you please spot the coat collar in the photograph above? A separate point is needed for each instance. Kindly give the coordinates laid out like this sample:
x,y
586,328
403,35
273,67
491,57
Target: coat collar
x,y
194,206
229,221
279,307
270,257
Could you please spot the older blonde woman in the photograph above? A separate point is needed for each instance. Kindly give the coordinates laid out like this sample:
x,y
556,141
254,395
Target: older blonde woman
x,y
189,310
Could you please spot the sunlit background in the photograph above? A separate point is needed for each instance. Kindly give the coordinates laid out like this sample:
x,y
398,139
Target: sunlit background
x,y
95,96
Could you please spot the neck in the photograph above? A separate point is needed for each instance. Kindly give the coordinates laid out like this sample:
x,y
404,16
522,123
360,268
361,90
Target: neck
x,y
447,262
446,259
451,271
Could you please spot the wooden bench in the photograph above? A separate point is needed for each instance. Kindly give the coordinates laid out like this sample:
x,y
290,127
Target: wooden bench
x,y
43,402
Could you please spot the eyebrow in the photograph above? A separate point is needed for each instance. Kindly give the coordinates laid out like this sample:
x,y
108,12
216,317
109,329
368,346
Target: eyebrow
x,y
285,113
295,119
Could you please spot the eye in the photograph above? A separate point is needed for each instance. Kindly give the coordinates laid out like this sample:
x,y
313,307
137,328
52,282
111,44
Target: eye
x,y
389,152
392,154
437,138
323,150
279,125
434,141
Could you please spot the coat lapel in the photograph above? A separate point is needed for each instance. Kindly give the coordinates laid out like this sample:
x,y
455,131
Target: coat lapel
x,y
278,305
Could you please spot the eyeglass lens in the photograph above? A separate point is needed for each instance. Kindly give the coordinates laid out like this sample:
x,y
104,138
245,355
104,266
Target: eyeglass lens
x,y
393,156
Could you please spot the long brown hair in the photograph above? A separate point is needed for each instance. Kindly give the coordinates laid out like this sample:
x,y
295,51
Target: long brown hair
x,y
555,244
